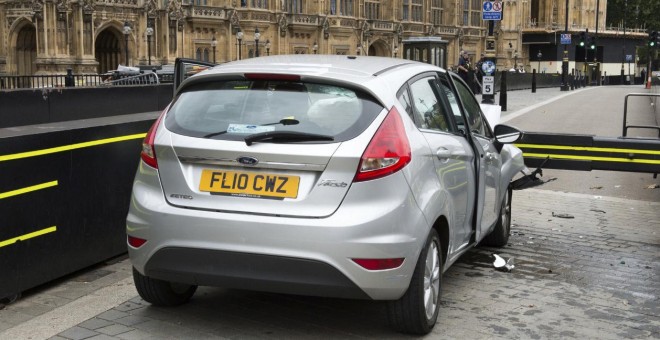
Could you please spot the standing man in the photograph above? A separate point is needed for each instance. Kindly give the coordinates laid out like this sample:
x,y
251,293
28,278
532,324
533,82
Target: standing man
x,y
464,67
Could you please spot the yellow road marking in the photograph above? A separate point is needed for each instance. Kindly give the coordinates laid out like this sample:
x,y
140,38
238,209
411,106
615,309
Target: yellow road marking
x,y
587,148
592,158
27,189
28,236
70,147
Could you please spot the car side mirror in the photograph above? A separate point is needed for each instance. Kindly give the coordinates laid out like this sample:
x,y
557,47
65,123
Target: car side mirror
x,y
505,134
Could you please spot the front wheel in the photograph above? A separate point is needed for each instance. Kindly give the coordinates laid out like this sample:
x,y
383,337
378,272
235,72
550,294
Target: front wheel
x,y
499,237
416,312
162,293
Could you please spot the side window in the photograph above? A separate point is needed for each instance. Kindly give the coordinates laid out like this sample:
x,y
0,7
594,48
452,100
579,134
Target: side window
x,y
404,98
475,120
453,103
427,108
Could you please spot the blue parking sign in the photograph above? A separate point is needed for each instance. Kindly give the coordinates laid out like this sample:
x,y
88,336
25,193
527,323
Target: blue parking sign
x,y
565,38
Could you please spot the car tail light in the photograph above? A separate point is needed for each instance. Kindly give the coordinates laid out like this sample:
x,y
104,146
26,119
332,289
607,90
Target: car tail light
x,y
388,151
379,264
148,153
135,242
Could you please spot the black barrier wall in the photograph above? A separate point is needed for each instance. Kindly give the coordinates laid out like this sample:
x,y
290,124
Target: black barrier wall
x,y
40,106
64,197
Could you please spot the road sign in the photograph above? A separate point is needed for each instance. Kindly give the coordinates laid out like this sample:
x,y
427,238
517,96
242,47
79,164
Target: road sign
x,y
566,39
488,85
629,57
492,10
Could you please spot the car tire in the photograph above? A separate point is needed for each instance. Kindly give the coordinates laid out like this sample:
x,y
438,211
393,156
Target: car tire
x,y
416,312
499,237
162,293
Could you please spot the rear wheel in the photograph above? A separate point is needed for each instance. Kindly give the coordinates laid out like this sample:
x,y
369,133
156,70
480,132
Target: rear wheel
x,y
416,312
499,237
162,293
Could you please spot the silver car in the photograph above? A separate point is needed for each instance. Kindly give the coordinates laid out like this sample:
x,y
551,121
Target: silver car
x,y
337,176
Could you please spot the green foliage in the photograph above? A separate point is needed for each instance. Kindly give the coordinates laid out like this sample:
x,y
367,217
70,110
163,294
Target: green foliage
x,y
637,13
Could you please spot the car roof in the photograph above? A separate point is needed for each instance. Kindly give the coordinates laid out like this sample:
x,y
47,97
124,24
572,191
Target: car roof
x,y
358,70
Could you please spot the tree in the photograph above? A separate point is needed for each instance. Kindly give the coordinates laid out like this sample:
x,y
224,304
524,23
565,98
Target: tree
x,y
637,13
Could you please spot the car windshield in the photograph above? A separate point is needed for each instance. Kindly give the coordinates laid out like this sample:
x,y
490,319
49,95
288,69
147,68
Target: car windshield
x,y
234,109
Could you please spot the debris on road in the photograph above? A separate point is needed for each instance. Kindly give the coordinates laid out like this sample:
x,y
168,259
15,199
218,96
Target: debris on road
x,y
653,186
501,264
598,210
562,215
596,187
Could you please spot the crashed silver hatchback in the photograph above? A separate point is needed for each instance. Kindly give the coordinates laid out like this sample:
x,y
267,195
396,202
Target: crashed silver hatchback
x,y
339,176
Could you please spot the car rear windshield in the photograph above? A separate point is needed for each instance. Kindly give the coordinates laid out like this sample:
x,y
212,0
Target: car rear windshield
x,y
233,109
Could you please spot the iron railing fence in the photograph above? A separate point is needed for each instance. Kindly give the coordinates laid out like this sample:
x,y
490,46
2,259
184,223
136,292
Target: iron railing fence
x,y
83,80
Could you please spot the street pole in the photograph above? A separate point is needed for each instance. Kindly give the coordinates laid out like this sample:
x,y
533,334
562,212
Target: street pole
x,y
127,32
239,37
150,32
214,44
598,83
564,63
257,35
623,53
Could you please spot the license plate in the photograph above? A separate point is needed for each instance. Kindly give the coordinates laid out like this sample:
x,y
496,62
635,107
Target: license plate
x,y
249,184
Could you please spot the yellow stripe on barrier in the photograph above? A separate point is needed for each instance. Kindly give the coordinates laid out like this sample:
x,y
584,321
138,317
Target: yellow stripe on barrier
x,y
27,189
70,147
587,148
592,158
28,236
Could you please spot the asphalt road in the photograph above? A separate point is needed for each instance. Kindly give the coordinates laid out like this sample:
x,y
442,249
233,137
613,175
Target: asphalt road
x,y
595,111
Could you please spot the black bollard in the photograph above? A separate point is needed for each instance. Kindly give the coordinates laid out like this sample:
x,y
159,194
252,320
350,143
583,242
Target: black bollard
x,y
534,81
68,79
503,97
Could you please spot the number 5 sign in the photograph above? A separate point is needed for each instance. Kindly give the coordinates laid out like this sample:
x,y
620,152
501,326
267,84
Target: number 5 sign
x,y
488,85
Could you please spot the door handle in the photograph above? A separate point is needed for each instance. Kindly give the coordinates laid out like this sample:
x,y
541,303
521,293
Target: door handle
x,y
443,153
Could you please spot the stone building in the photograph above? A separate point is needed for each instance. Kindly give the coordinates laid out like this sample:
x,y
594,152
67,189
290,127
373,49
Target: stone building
x,y
94,36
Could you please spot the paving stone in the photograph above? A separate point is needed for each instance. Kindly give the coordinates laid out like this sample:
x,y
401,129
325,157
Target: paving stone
x,y
78,333
132,320
114,329
112,314
95,323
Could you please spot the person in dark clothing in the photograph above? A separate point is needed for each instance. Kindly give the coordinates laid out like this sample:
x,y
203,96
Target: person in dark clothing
x,y
464,66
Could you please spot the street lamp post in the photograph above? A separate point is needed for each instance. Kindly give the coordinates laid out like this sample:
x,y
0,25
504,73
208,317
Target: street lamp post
x,y
267,46
396,50
515,60
539,56
150,32
564,63
127,32
239,37
357,49
257,35
214,43
315,47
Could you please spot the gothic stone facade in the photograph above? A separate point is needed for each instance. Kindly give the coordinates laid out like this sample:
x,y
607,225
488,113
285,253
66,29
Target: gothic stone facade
x,y
89,36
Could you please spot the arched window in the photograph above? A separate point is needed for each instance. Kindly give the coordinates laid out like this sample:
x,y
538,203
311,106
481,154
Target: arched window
x,y
198,54
206,54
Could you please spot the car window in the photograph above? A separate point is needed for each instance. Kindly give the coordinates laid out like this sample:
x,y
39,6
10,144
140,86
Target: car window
x,y
429,112
404,98
453,103
231,109
475,120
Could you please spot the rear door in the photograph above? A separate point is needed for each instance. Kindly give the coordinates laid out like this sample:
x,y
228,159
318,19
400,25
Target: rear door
x,y
206,160
489,160
451,153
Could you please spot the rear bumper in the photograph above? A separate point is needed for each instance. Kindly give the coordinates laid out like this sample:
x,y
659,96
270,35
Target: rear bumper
x,y
377,219
277,274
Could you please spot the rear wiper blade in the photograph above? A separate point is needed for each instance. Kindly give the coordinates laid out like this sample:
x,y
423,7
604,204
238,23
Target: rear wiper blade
x,y
287,136
283,121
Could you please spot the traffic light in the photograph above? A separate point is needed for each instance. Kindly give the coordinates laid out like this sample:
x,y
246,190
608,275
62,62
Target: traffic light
x,y
583,38
653,39
592,43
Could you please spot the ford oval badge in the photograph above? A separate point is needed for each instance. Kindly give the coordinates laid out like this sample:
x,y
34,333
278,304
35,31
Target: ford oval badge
x,y
246,160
